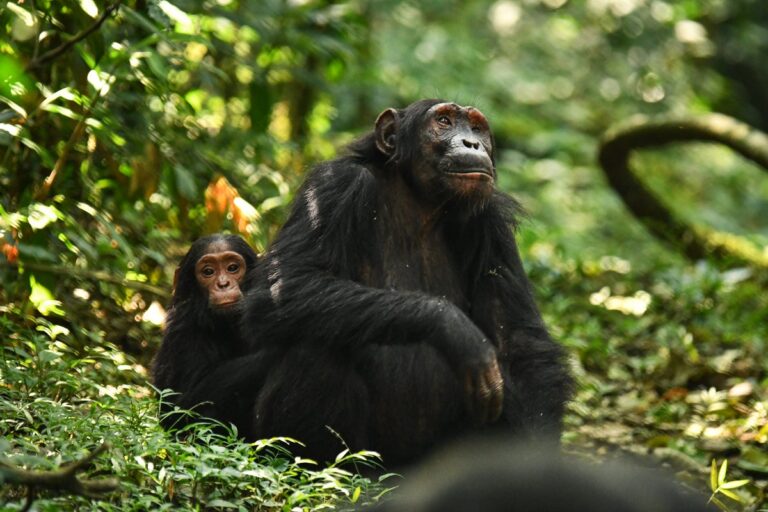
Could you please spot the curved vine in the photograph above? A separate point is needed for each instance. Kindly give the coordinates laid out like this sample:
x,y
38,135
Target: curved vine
x,y
693,240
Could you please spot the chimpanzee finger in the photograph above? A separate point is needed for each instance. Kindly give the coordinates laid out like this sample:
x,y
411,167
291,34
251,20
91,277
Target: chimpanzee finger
x,y
496,385
470,402
483,399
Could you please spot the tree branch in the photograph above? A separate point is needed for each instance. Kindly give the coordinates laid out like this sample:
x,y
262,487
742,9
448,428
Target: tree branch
x,y
63,478
695,241
56,52
94,275
45,189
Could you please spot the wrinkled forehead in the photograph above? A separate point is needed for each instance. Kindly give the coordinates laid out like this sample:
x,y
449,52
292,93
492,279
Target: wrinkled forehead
x,y
223,256
217,246
472,114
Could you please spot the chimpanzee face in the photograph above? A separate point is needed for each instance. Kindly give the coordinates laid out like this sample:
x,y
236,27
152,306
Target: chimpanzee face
x,y
452,157
456,148
220,274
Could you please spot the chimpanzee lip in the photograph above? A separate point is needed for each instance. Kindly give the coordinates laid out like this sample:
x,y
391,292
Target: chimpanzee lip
x,y
224,305
226,300
473,174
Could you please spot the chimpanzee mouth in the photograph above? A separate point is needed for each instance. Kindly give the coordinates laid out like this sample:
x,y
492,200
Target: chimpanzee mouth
x,y
225,300
227,309
473,174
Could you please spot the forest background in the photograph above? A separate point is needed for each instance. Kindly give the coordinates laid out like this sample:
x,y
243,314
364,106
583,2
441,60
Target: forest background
x,y
129,128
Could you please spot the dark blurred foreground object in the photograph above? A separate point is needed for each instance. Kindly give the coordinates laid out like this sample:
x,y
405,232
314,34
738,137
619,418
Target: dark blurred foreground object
x,y
507,477
695,241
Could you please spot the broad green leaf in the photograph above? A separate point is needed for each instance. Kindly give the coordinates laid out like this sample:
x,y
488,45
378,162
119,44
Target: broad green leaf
x,y
342,454
89,7
14,81
46,356
36,252
14,106
185,182
42,153
43,299
138,19
175,14
61,110
25,25
220,503
734,484
723,471
730,494
12,129
40,215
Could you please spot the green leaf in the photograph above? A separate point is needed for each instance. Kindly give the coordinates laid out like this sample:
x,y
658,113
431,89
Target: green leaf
x,y
713,476
138,19
220,503
342,454
731,494
185,182
14,82
723,472
12,129
44,155
734,484
46,356
89,7
157,66
260,111
36,252
15,107
40,215
25,26
43,299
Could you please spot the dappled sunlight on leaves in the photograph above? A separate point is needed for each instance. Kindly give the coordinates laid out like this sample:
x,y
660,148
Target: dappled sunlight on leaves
x,y
636,305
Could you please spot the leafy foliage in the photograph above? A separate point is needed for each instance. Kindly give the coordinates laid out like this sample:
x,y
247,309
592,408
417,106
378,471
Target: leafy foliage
x,y
100,396
129,128
720,485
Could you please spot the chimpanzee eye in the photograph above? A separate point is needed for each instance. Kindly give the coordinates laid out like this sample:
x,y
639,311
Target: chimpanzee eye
x,y
444,120
234,267
208,272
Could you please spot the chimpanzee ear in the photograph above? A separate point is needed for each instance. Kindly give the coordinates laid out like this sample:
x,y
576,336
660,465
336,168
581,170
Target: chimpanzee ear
x,y
175,279
386,130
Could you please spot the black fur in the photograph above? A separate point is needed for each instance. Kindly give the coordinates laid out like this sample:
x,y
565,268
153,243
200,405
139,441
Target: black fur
x,y
378,294
203,357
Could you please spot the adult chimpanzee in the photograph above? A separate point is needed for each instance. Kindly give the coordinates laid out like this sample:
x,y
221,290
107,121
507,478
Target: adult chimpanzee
x,y
203,357
398,299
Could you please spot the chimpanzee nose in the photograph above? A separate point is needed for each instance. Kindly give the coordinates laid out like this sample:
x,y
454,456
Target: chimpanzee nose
x,y
471,143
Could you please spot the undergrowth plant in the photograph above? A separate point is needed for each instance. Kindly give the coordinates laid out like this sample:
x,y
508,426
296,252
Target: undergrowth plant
x,y
55,404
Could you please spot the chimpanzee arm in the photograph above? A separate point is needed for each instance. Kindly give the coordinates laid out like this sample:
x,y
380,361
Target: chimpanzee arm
x,y
322,310
227,392
215,388
537,383
309,295
316,307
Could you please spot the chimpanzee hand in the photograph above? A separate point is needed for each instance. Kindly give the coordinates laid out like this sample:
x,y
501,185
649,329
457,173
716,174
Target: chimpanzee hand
x,y
484,392
474,358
